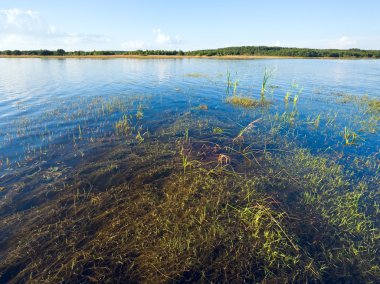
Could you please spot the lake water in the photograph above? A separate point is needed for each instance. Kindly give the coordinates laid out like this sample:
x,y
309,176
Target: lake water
x,y
65,122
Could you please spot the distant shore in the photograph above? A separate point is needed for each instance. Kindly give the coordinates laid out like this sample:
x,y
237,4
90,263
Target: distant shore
x,y
179,57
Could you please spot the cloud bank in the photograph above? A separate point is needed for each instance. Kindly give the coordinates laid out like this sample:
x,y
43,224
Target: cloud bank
x,y
26,29
164,39
161,40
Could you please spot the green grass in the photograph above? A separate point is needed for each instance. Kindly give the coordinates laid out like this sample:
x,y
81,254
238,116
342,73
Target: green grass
x,y
122,126
196,75
267,76
243,101
374,108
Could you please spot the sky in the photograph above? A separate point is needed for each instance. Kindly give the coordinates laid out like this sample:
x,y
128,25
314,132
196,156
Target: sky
x,y
187,25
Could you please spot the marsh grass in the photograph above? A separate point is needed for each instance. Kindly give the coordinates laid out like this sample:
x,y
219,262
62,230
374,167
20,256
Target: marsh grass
x,y
374,105
266,78
350,136
245,101
202,107
122,126
196,75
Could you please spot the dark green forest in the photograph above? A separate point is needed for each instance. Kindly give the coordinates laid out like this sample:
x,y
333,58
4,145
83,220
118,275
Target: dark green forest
x,y
227,51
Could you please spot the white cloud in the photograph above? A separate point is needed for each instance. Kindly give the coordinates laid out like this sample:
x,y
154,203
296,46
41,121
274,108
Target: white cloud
x,y
26,29
344,42
160,41
16,21
164,39
133,45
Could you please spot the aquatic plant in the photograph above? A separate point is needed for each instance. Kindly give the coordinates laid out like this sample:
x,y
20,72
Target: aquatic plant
x,y
267,76
122,126
139,138
196,75
229,83
139,113
315,121
202,107
295,99
350,137
79,132
287,95
235,87
374,105
217,130
243,101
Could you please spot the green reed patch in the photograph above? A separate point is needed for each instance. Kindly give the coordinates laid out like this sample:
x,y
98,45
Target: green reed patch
x,y
243,101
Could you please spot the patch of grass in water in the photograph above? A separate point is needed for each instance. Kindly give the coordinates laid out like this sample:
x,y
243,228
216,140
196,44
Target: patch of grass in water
x,y
202,107
374,106
196,75
244,101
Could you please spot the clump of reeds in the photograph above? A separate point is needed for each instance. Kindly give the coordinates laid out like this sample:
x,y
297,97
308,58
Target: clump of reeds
x,y
245,101
267,76
374,107
122,126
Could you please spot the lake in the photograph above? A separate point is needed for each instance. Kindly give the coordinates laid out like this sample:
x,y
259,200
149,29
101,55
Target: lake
x,y
152,170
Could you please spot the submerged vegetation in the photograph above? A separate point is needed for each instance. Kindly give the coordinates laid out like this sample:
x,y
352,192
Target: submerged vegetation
x,y
193,196
374,107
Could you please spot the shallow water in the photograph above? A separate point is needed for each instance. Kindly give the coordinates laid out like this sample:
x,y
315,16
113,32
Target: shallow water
x,y
91,126
43,102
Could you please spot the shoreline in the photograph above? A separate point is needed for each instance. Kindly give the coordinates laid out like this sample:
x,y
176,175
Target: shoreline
x,y
238,57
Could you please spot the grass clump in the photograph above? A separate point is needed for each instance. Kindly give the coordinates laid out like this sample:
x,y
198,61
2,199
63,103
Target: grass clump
x,y
374,107
243,101
196,75
267,76
201,107
122,126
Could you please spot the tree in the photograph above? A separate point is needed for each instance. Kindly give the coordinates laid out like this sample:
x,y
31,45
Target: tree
x,y
46,52
60,52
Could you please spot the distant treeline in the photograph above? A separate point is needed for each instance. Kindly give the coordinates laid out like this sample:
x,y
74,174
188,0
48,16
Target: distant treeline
x,y
287,51
242,50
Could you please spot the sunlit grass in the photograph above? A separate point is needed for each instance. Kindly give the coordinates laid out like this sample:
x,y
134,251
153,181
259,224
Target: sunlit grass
x,y
243,101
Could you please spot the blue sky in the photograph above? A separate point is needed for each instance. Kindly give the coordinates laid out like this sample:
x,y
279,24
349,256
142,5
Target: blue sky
x,y
187,25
